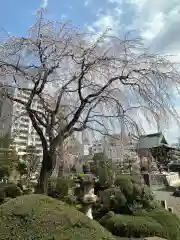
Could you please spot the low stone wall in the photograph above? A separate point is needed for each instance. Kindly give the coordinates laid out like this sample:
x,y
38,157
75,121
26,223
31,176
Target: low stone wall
x,y
173,179
165,179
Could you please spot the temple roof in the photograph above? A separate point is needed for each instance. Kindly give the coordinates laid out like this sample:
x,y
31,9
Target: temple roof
x,y
151,141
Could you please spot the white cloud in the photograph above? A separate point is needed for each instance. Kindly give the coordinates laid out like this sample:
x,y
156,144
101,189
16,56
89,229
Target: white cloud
x,y
63,16
153,27
110,20
158,21
139,3
44,3
86,3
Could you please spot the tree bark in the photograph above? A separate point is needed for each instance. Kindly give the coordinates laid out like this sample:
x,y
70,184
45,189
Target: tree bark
x,y
48,165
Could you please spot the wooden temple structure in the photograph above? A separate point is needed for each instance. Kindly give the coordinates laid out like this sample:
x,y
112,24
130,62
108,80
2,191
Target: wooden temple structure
x,y
155,148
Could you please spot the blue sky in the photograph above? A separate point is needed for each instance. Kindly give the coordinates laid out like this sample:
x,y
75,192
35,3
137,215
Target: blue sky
x,y
156,21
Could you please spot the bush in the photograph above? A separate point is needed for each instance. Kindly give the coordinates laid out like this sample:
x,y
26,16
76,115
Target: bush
x,y
113,198
4,172
128,195
9,190
59,187
132,226
12,191
137,178
169,221
125,184
41,217
2,195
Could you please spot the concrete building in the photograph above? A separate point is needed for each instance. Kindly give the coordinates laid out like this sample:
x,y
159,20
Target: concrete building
x,y
98,146
68,156
114,147
15,122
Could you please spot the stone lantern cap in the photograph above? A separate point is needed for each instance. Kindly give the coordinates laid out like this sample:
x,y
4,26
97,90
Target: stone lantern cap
x,y
87,178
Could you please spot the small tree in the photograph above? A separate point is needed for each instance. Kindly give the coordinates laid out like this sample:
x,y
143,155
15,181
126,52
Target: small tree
x,y
102,168
31,160
128,162
22,168
91,81
9,157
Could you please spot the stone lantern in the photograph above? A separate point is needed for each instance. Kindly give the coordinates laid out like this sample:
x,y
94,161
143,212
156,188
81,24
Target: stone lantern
x,y
85,192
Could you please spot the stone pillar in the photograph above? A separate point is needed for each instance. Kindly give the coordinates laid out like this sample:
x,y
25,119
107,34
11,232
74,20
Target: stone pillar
x,y
164,204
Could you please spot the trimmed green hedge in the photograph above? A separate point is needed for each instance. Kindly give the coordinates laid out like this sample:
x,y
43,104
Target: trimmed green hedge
x,y
125,197
9,190
39,217
132,226
169,221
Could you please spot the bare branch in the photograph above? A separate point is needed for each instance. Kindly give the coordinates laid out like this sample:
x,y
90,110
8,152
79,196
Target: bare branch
x,y
82,84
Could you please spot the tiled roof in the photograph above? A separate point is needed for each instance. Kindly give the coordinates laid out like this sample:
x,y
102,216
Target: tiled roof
x,y
151,141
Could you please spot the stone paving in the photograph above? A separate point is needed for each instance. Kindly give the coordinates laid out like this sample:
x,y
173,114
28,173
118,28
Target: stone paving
x,y
173,202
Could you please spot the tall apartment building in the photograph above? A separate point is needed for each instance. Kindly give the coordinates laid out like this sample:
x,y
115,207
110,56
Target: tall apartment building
x,y
15,122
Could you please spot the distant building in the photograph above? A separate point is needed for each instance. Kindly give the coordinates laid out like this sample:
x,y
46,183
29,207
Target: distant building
x,y
68,155
153,148
115,146
15,122
98,146
148,142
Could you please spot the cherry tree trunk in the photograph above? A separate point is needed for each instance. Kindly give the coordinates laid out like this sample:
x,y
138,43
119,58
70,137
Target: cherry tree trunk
x,y
48,165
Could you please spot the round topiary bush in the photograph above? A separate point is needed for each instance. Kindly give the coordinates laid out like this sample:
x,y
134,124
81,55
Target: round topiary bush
x,y
132,226
41,217
135,191
12,190
125,184
113,198
9,190
169,221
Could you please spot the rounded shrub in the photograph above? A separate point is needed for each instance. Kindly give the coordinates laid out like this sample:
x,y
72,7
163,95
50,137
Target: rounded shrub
x,y
132,226
12,190
135,192
9,190
137,178
125,184
42,217
169,221
113,198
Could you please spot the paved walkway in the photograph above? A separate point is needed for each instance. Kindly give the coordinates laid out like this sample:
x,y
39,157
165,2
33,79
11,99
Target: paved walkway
x,y
173,202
